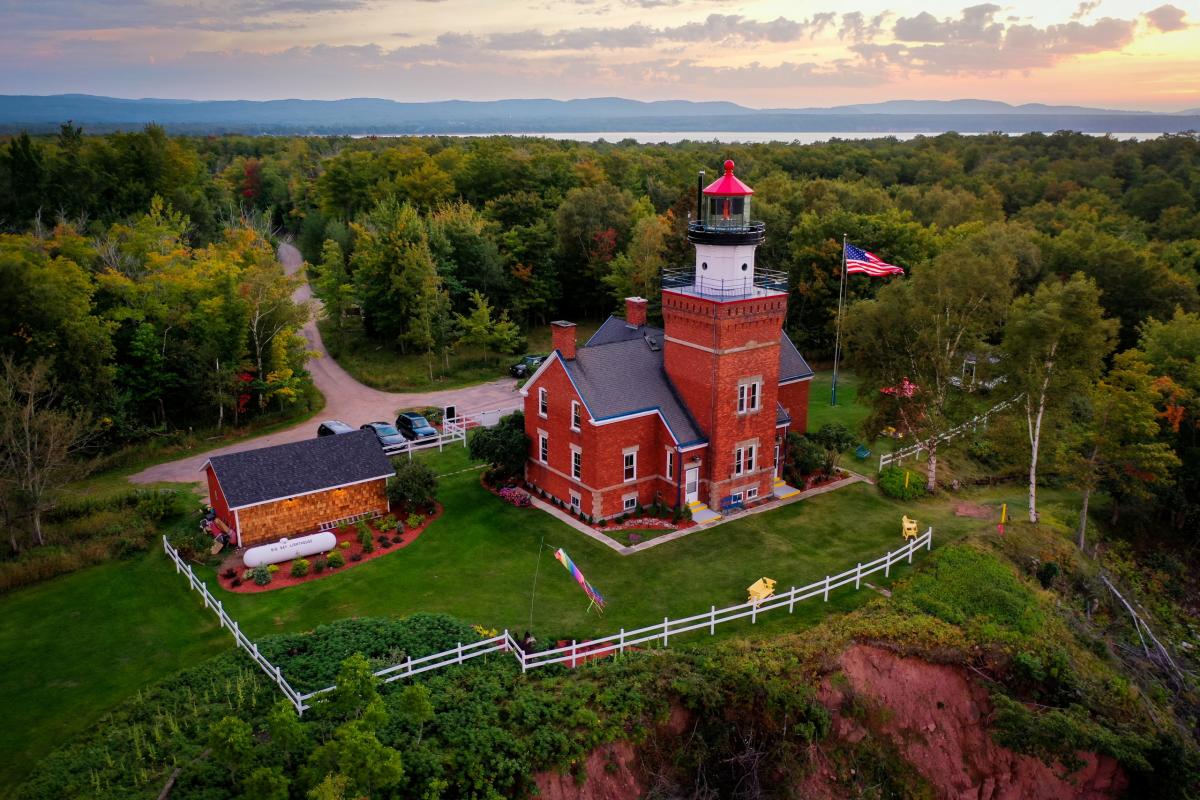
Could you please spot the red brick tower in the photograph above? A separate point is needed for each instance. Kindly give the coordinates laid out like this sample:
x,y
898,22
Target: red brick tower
x,y
722,324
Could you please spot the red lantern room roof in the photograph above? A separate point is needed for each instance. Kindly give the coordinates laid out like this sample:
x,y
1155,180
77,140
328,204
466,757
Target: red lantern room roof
x,y
728,184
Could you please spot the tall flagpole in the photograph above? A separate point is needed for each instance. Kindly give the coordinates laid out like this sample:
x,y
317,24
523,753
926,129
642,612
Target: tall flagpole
x,y
837,341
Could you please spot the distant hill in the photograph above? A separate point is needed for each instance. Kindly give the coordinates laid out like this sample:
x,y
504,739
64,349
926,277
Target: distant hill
x,y
601,114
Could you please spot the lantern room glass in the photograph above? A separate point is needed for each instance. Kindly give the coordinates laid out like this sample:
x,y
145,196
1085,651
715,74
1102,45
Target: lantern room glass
x,y
727,212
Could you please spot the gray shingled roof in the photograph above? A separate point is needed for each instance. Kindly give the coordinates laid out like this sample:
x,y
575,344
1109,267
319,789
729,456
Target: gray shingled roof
x,y
791,364
287,470
625,377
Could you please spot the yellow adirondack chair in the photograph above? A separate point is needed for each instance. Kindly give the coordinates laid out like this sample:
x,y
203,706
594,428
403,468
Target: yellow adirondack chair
x,y
908,527
760,590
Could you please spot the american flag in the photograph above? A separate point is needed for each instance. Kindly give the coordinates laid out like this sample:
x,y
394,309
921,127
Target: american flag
x,y
860,262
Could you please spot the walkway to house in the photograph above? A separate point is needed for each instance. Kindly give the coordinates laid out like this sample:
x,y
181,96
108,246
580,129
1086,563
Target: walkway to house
x,y
345,398
608,541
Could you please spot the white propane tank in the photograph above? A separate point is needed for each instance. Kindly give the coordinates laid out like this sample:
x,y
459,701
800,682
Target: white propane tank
x,y
287,549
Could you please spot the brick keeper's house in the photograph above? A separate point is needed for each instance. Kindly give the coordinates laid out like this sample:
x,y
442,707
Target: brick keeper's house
x,y
693,413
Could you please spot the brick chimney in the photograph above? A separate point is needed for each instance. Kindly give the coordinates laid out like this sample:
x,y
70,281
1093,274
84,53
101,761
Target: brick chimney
x,y
635,311
563,334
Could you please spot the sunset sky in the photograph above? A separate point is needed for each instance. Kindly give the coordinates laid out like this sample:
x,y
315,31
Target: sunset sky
x,y
1109,53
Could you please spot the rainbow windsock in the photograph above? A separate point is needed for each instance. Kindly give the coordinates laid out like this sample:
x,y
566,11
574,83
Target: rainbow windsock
x,y
596,598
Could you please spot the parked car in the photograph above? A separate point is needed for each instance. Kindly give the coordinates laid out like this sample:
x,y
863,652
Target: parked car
x,y
527,365
413,426
387,434
332,427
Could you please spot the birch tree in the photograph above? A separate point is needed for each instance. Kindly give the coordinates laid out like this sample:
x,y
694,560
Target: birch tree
x,y
1055,342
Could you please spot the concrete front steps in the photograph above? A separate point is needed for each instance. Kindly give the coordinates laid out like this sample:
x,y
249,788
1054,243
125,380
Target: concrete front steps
x,y
702,514
782,491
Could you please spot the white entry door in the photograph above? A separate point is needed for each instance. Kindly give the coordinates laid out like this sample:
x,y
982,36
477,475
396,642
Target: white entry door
x,y
777,464
691,485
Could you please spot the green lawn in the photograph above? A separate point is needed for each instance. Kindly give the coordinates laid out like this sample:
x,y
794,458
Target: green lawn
x,y
73,647
384,367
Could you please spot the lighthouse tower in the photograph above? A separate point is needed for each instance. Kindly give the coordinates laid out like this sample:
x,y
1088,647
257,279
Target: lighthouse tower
x,y
722,324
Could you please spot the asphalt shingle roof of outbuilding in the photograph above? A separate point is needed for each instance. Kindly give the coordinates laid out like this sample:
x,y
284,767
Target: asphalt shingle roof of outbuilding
x,y
296,468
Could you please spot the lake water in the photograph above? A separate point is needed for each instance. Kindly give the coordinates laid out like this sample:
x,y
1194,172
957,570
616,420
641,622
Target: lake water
x,y
729,137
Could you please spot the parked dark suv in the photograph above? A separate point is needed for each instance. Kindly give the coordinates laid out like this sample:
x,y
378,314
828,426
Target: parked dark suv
x,y
413,426
527,365
387,434
332,427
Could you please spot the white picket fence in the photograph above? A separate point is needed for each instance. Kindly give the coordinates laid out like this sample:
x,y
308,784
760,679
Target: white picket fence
x,y
886,459
453,430
228,622
578,652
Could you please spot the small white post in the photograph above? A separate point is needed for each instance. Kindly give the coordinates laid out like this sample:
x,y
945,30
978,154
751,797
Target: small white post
x,y
712,620
621,641
279,679
254,649
460,652
237,634
753,613
791,599
826,588
858,575
221,613
929,539
911,542
574,653
665,621
887,566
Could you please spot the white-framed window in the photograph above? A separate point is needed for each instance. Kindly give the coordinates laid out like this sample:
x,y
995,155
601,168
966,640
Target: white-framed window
x,y
575,415
749,396
735,498
543,447
576,463
543,402
670,464
576,501
630,502
743,459
752,494
630,466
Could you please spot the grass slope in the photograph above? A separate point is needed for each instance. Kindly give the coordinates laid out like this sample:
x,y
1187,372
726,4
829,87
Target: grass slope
x,y
75,646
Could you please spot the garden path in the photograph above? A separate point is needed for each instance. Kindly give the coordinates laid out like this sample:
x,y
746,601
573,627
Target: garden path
x,y
345,398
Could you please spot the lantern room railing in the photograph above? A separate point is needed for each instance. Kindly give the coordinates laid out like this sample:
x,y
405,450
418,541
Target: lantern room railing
x,y
764,281
726,231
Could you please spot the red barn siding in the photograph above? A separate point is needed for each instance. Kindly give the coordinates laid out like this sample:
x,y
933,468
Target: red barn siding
x,y
216,498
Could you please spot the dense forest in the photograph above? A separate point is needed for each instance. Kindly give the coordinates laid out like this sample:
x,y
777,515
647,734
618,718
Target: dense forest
x,y
140,266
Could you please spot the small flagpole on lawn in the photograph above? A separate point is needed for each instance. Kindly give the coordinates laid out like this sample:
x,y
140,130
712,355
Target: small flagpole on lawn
x,y
837,341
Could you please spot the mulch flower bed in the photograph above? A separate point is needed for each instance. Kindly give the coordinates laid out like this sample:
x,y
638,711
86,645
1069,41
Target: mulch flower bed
x,y
519,496
820,479
233,570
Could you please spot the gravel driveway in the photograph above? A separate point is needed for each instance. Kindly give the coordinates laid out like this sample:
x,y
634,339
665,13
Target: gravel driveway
x,y
345,398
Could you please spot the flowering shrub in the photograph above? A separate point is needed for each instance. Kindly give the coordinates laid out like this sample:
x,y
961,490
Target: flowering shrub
x,y
518,497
